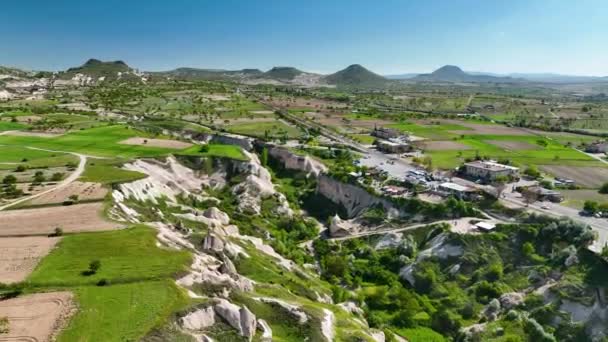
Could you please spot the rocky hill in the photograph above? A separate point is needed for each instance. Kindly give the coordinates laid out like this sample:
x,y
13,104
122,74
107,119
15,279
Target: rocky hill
x,y
454,74
94,70
356,76
207,74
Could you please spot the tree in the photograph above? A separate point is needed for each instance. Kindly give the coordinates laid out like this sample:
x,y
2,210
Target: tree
x,y
532,171
264,157
57,176
591,207
39,177
604,188
529,196
9,179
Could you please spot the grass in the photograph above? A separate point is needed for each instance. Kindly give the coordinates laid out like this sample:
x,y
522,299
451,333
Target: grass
x,y
10,126
216,150
420,334
108,172
128,255
124,312
551,154
32,158
433,132
363,138
262,129
140,293
99,141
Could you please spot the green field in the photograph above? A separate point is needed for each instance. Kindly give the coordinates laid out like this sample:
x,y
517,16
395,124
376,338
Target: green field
x,y
100,141
108,171
123,312
216,150
552,153
140,293
263,129
11,126
128,255
433,132
10,155
105,142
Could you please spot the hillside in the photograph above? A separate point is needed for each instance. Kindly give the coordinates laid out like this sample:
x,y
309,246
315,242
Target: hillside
x,y
355,76
96,69
452,73
207,74
282,73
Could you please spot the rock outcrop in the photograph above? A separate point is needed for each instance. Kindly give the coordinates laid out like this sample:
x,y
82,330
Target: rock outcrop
x,y
199,319
265,329
341,228
353,198
292,161
240,318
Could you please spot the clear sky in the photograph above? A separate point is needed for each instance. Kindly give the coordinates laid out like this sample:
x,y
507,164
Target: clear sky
x,y
387,36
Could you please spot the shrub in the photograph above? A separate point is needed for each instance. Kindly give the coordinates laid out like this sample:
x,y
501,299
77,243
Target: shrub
x,y
604,188
94,266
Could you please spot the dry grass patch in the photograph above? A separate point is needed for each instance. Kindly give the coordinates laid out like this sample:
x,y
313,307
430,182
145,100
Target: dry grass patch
x,y
20,255
36,317
513,145
86,191
163,143
444,145
43,221
589,177
34,134
481,129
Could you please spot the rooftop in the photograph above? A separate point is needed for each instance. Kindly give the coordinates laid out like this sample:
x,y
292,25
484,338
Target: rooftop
x,y
490,165
455,187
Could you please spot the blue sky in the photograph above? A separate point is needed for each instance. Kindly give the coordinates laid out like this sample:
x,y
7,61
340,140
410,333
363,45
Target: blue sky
x,y
391,36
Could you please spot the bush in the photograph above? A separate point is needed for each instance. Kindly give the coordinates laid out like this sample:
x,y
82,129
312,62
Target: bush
x,y
604,188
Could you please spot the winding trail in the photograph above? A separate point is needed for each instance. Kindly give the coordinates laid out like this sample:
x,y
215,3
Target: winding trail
x,y
71,178
453,224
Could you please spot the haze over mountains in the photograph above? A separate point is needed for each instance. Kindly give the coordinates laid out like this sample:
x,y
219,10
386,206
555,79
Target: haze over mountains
x,y
352,76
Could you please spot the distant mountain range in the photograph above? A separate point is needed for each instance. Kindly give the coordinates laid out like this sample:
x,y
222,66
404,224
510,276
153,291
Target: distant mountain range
x,y
94,71
451,73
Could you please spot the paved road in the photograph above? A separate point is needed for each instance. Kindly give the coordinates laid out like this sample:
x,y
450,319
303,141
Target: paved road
x,y
600,225
72,177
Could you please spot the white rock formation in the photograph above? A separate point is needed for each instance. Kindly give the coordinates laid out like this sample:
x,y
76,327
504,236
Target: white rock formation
x,y
291,309
352,308
240,318
327,325
164,179
265,329
293,161
199,319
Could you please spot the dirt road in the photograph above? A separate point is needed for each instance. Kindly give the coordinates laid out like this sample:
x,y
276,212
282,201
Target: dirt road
x,y
72,177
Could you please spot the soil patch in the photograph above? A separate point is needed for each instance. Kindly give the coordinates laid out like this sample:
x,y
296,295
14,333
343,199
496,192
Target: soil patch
x,y
590,177
482,129
20,255
37,317
513,145
86,191
444,145
164,143
43,221
34,134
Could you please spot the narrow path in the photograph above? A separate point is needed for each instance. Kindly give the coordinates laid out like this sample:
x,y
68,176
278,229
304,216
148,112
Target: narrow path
x,y
594,156
67,181
453,222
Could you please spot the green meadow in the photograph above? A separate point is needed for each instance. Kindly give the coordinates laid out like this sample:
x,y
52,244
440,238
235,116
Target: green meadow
x,y
138,294
545,152
12,154
128,255
105,142
261,129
